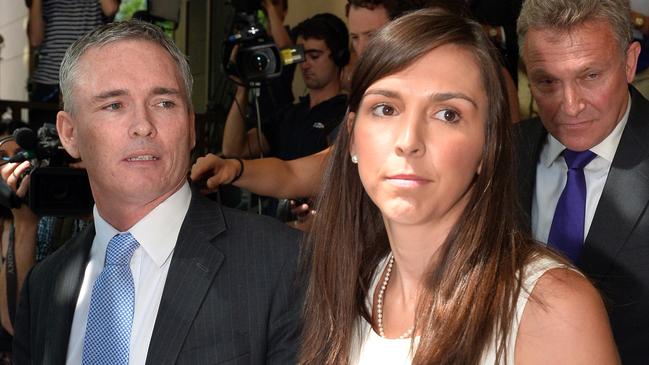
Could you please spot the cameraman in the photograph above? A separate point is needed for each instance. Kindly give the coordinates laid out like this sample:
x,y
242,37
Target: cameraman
x,y
302,128
26,238
278,92
19,234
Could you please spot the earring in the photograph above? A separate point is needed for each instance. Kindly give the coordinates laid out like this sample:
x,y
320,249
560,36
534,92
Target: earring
x,y
354,159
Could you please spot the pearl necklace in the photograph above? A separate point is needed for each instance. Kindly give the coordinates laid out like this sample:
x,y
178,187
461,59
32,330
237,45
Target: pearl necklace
x,y
379,302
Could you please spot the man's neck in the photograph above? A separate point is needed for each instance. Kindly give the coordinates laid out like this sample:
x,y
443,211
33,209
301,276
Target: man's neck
x,y
317,96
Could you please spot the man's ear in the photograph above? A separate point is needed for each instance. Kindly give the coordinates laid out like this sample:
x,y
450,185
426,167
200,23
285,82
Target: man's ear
x,y
65,125
632,54
349,123
192,129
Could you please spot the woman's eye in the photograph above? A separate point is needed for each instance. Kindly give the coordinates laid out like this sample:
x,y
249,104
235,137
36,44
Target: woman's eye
x,y
447,115
383,110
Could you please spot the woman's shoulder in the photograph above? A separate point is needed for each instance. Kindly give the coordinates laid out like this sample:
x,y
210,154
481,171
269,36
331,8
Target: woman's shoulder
x,y
564,320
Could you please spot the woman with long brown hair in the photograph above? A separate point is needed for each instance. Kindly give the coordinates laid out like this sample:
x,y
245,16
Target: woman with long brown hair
x,y
415,255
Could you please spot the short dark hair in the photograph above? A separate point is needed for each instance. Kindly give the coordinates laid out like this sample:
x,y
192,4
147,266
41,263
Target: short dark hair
x,y
332,30
394,8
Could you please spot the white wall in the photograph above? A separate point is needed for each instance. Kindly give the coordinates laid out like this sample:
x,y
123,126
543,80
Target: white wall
x,y
14,54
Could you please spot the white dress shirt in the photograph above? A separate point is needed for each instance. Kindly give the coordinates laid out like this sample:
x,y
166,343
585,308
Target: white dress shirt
x,y
157,234
551,177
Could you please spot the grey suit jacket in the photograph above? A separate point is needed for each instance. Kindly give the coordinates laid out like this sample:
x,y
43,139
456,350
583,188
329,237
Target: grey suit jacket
x,y
616,250
230,296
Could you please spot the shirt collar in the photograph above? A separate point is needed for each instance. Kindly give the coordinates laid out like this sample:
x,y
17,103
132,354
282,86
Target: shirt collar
x,y
157,232
605,149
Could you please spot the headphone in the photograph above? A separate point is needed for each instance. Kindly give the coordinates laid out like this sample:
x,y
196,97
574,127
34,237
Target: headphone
x,y
339,37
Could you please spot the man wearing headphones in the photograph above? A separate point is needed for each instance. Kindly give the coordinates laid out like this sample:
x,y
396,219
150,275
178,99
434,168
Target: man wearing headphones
x,y
308,126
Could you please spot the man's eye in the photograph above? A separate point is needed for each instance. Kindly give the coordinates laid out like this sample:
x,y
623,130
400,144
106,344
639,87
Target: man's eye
x,y
383,110
113,106
592,76
447,115
544,82
167,104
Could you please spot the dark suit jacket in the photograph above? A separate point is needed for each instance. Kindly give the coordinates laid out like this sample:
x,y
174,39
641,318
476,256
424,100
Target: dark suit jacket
x,y
616,250
229,298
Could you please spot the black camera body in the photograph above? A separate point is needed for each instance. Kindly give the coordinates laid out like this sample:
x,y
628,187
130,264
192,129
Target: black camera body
x,y
55,189
257,57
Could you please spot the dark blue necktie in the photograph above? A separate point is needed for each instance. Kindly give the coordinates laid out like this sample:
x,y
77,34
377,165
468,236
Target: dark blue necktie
x,y
110,316
567,230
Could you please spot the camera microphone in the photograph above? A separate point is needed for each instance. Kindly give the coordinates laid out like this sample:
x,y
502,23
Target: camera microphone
x,y
26,139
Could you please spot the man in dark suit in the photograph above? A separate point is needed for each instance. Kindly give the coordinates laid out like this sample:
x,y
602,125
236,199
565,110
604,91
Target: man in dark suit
x,y
164,275
580,58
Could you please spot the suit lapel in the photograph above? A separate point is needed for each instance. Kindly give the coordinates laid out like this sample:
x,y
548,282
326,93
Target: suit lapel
x,y
65,291
530,137
193,266
618,210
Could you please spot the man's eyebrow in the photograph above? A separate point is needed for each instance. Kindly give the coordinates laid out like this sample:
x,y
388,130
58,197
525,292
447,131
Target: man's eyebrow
x,y
121,92
313,50
165,91
110,94
538,73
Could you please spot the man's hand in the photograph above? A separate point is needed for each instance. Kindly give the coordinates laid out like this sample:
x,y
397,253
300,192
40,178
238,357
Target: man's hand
x,y
213,171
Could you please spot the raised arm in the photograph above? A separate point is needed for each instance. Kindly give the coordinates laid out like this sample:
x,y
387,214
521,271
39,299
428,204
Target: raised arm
x,y
35,23
109,7
266,176
25,236
277,29
236,141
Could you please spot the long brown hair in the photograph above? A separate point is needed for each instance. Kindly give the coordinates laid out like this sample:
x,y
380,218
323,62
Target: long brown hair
x,y
470,293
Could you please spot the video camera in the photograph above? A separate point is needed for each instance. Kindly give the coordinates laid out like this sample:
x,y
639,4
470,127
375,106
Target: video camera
x,y
257,57
55,189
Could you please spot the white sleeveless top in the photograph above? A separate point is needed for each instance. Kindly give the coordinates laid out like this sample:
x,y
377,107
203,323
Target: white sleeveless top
x,y
368,348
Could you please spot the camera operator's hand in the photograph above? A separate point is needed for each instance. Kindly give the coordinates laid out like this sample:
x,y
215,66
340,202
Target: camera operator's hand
x,y
303,212
214,171
16,177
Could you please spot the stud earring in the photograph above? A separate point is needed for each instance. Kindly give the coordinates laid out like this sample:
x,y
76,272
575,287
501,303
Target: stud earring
x,y
354,159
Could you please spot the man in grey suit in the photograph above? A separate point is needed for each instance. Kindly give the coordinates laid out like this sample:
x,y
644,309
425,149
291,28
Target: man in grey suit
x,y
164,275
580,58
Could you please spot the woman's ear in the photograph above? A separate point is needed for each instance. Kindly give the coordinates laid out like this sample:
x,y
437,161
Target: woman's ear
x,y
350,128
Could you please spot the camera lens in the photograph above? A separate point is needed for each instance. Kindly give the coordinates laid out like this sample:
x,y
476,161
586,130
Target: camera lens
x,y
259,61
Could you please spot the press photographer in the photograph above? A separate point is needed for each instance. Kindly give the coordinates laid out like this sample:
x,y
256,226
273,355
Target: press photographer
x,y
26,238
260,23
308,126
57,188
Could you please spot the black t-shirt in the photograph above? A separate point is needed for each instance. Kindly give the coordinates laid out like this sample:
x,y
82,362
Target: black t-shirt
x,y
297,131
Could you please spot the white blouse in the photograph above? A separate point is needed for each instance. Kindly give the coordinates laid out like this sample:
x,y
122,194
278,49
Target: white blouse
x,y
368,348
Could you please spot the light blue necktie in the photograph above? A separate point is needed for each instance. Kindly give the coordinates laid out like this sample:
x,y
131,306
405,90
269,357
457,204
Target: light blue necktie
x,y
110,318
